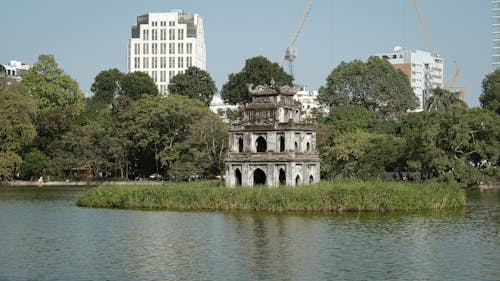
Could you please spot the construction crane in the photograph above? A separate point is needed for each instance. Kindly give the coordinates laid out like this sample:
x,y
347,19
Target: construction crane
x,y
460,90
291,51
424,29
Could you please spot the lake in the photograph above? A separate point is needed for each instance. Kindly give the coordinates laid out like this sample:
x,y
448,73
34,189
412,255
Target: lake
x,y
45,236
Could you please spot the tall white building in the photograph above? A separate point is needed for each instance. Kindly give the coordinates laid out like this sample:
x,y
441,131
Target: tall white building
x,y
165,44
424,70
495,33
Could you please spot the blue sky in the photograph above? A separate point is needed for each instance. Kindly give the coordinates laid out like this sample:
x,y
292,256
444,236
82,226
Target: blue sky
x,y
88,36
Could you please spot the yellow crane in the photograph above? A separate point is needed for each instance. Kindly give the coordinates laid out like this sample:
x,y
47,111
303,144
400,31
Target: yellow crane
x,y
424,29
460,90
291,51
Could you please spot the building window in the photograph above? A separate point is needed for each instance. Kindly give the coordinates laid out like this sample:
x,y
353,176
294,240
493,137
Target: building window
x,y
137,48
154,62
154,48
145,48
180,62
171,23
189,61
180,48
145,62
261,144
163,34
163,23
180,34
189,48
171,62
171,34
154,34
137,62
163,62
171,48
154,75
240,144
282,144
171,74
163,48
282,177
145,34
163,76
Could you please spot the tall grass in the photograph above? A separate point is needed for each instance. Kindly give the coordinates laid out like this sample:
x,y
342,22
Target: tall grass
x,y
340,195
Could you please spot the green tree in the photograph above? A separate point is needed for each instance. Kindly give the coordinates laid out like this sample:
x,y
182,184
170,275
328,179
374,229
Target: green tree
x,y
52,88
58,97
107,85
442,99
490,97
257,71
17,131
208,138
375,85
161,125
362,154
35,164
193,83
136,84
460,145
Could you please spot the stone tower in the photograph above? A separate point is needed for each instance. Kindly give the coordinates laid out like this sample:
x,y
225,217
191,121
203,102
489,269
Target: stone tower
x,y
272,145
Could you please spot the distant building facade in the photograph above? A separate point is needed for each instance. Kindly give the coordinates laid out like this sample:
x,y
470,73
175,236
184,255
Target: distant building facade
x,y
310,104
14,69
218,106
424,70
272,145
163,45
495,33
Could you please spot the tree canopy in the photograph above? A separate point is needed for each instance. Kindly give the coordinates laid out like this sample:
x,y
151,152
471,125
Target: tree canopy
x,y
107,85
136,84
257,71
17,130
58,97
375,85
193,83
490,97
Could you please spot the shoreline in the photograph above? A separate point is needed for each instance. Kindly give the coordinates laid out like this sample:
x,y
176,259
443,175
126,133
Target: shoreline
x,y
77,183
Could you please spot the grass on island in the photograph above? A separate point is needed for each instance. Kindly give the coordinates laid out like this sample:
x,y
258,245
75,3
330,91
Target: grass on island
x,y
340,195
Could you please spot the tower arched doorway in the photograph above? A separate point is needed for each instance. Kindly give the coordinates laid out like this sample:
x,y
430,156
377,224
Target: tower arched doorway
x,y
297,180
237,176
259,177
282,177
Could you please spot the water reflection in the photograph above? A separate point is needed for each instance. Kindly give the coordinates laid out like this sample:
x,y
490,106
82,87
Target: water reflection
x,y
44,236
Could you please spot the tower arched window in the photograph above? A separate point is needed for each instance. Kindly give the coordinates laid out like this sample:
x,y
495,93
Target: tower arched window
x,y
240,144
282,143
261,144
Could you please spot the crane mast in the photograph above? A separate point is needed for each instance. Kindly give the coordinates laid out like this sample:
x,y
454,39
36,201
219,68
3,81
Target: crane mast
x,y
291,51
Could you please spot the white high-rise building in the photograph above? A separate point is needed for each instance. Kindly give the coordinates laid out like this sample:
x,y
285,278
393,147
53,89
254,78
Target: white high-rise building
x,y
165,44
495,33
424,70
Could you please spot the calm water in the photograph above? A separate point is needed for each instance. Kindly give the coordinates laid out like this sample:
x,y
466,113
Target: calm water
x,y
44,236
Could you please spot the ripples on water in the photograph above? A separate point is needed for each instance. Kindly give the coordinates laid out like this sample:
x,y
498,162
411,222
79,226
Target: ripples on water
x,y
44,236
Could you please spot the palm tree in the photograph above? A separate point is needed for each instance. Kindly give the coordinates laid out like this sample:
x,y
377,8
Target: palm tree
x,y
442,99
